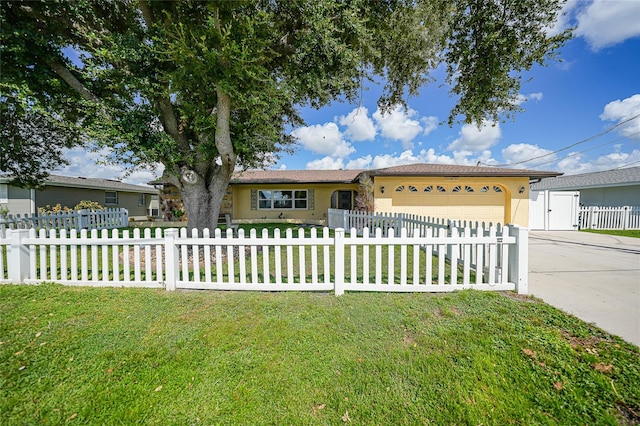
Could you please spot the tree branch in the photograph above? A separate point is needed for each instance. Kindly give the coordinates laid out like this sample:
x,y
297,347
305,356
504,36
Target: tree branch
x,y
63,72
147,13
223,133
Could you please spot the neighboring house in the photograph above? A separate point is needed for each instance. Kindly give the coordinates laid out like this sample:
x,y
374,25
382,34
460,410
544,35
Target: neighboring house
x,y
140,201
609,188
486,194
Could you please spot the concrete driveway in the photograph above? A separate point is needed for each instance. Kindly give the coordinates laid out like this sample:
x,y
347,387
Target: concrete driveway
x,y
592,276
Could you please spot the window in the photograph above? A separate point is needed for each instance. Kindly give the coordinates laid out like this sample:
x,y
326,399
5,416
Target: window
x,y
400,188
441,189
110,197
497,188
428,188
4,193
457,188
282,199
485,189
468,188
413,188
141,199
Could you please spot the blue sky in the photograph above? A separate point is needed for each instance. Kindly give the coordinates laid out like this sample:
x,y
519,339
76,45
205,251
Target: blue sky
x,y
594,87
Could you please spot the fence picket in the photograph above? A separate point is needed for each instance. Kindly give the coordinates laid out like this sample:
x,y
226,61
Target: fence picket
x,y
195,253
301,257
607,217
115,255
401,260
314,258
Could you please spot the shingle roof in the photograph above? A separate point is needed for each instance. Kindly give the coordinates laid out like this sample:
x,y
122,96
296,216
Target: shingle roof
x,y
95,183
456,170
350,176
296,176
619,177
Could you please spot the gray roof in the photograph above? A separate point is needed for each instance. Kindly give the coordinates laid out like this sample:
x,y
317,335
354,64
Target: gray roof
x,y
605,179
95,183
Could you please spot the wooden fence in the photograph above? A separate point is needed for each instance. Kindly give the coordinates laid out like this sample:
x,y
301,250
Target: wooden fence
x,y
625,217
419,261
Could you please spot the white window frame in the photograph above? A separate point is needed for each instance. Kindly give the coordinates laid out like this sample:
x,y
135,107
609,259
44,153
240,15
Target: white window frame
x,y
142,198
273,202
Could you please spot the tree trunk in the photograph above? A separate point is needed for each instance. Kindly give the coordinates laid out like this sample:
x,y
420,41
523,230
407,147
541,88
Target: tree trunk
x,y
203,187
203,200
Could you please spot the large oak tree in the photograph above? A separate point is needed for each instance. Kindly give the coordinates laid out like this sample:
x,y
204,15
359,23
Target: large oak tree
x,y
204,87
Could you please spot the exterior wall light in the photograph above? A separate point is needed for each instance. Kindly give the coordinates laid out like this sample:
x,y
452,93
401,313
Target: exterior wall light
x,y
382,189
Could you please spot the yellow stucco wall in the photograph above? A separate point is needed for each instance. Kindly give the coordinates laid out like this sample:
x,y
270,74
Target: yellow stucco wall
x,y
317,213
509,206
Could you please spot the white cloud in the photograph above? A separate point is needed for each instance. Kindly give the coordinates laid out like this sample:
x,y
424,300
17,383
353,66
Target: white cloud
x,y
563,18
430,123
520,98
323,139
575,164
476,139
537,96
359,126
83,163
360,163
399,125
430,156
326,163
388,160
606,23
518,152
625,109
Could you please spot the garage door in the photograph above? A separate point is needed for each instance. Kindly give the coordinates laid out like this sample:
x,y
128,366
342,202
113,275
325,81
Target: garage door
x,y
460,201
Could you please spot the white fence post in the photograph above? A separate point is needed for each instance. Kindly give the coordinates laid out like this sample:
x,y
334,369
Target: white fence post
x,y
18,256
171,258
345,219
519,259
339,261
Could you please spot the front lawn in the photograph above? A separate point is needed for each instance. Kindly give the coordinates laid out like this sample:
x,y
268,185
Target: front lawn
x,y
635,233
130,356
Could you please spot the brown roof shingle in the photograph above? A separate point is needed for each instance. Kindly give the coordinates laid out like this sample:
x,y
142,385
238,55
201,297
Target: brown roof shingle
x,y
351,176
296,176
456,170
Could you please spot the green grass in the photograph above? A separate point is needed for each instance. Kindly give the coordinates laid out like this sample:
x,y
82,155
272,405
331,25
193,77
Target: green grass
x,y
140,356
635,233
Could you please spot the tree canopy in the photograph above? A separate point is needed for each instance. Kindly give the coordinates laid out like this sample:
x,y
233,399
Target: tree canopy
x,y
204,87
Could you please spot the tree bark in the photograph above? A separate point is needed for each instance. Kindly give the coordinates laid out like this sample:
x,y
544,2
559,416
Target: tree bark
x,y
203,185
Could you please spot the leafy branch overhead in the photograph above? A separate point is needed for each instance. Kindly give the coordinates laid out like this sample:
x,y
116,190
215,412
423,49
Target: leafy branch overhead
x,y
204,87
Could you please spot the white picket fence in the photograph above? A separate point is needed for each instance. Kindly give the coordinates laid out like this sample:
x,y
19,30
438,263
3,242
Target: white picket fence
x,y
348,219
593,217
77,219
425,261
